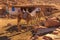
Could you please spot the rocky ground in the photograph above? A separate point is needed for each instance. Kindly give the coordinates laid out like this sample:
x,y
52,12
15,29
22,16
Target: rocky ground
x,y
22,36
4,22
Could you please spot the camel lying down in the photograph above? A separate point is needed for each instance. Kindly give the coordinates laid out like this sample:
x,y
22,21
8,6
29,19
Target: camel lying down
x,y
51,22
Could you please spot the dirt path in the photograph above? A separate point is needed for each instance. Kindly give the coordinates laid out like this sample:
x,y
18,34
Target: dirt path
x,y
5,21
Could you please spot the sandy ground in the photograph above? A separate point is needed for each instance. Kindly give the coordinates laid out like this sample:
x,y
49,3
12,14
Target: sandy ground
x,y
23,36
5,21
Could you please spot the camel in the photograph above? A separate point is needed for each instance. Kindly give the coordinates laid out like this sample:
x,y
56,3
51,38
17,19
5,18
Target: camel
x,y
24,14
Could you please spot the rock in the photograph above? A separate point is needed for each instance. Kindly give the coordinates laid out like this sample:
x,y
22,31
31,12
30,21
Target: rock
x,y
47,38
52,36
12,29
4,38
58,29
55,32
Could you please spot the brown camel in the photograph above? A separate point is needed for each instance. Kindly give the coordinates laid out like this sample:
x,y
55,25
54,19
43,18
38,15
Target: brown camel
x,y
23,15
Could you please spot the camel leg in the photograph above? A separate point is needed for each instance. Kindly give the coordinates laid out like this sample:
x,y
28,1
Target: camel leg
x,y
27,21
18,24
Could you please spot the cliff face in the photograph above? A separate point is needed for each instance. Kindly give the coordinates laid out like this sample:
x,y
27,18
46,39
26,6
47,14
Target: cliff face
x,y
31,2
27,2
35,1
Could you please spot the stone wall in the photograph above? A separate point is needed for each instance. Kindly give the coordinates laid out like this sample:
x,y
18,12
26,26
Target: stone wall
x,y
34,2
